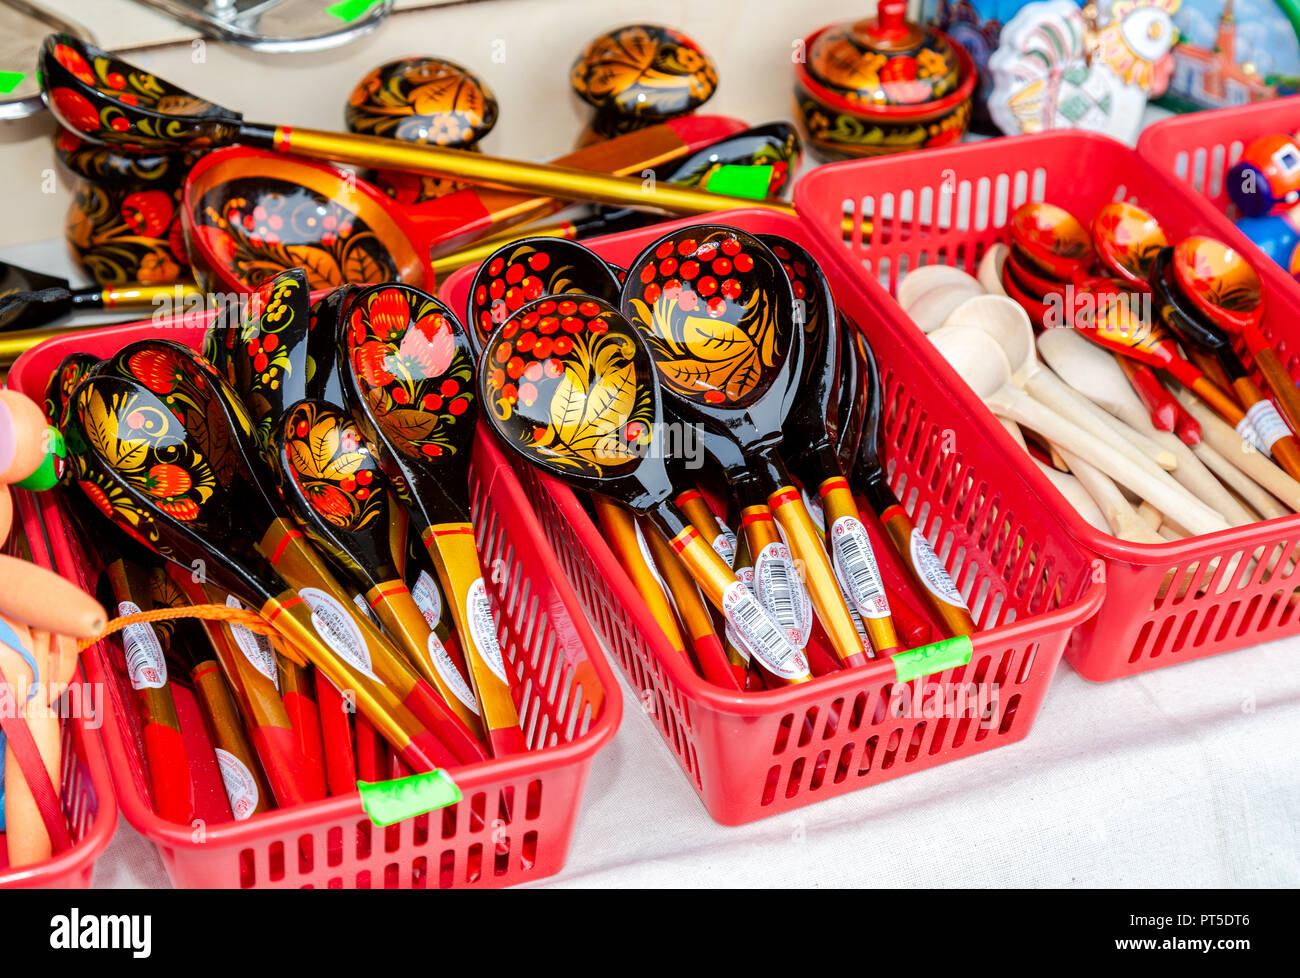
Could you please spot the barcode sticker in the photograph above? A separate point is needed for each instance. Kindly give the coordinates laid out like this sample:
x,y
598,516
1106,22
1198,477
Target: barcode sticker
x,y
780,590
240,785
450,674
363,605
428,598
857,621
483,629
761,635
929,568
724,544
1263,426
256,648
746,576
855,566
337,629
146,666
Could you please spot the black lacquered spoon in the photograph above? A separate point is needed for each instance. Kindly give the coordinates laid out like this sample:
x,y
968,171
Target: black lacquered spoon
x,y
332,482
867,477
163,448
407,369
716,312
589,413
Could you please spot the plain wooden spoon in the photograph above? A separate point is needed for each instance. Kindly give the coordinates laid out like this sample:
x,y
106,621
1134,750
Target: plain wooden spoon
x,y
1095,373
977,357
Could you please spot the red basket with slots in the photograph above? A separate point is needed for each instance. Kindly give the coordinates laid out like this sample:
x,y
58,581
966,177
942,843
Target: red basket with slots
x,y
1166,603
1201,147
516,818
86,788
757,754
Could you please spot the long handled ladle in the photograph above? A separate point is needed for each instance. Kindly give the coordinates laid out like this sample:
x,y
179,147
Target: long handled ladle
x,y
592,418
111,101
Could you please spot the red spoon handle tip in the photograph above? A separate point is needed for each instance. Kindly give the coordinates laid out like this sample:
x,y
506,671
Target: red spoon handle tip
x,y
507,740
169,772
305,720
446,727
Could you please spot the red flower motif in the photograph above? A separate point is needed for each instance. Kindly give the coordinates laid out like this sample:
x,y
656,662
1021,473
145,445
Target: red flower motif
x,y
154,369
148,212
389,313
181,509
330,502
75,110
74,62
370,359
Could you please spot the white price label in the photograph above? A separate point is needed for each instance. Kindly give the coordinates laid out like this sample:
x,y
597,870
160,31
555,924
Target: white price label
x,y
931,571
146,666
256,648
855,566
428,598
337,629
483,629
241,786
760,634
450,674
782,593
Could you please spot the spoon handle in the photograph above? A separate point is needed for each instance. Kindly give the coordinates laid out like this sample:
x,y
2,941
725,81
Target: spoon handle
x,y
1269,426
166,759
923,564
709,653
1176,503
1278,380
566,183
764,638
246,787
455,556
402,619
805,542
618,526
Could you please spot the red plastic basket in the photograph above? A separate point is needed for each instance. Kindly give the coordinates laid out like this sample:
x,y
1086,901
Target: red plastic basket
x,y
87,790
516,818
757,754
946,208
1201,147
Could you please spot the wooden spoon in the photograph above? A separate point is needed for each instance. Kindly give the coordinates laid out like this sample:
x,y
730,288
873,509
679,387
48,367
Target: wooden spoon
x,y
981,362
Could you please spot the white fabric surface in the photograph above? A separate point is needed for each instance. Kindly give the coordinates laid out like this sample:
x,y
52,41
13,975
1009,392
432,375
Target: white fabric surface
x,y
1184,777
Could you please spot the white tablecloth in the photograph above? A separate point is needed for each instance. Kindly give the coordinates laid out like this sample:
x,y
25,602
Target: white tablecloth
x,y
1185,777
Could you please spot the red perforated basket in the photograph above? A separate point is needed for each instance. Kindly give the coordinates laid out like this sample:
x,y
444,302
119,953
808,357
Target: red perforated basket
x,y
1200,148
1164,603
756,754
517,814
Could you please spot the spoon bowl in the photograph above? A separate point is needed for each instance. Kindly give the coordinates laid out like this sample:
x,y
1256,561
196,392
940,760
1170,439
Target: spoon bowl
x,y
1053,238
249,215
589,414
1127,238
529,269
1220,282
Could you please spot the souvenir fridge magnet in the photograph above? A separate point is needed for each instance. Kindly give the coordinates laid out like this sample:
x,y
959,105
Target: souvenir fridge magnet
x,y
1054,70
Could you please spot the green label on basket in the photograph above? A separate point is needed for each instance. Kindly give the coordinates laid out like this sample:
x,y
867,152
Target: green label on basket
x,y
387,802
926,660
9,80
736,180
350,10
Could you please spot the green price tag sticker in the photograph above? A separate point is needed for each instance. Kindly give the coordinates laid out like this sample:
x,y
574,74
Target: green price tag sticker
x,y
926,660
738,180
387,802
9,80
350,10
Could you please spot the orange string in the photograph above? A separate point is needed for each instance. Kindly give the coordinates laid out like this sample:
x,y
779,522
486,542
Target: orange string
x,y
212,612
